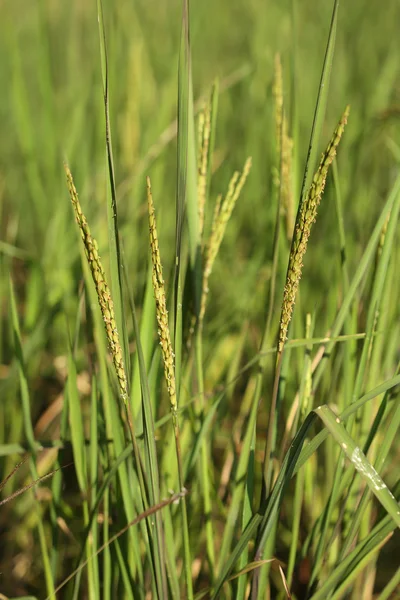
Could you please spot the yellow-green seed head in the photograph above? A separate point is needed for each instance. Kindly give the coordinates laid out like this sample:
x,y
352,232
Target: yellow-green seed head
x,y
102,289
222,213
305,218
161,305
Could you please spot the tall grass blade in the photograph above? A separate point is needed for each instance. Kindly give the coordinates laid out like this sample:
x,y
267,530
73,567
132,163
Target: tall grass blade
x,y
322,98
389,384
113,234
364,549
186,191
169,373
357,457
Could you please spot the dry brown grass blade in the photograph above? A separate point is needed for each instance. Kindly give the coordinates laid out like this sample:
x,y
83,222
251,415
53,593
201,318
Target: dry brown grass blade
x,y
15,469
25,488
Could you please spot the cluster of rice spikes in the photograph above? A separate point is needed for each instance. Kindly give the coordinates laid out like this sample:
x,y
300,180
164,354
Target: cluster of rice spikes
x,y
161,305
204,133
222,213
284,146
102,289
305,218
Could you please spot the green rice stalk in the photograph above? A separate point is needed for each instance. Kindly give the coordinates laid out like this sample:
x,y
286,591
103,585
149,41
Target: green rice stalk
x,y
169,372
112,212
305,218
108,317
186,195
102,289
245,489
304,407
222,212
93,461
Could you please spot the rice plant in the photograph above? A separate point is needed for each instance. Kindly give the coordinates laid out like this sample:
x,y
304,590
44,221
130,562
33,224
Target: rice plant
x,y
200,376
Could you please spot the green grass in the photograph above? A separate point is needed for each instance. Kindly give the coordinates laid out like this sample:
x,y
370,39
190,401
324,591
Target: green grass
x,y
277,468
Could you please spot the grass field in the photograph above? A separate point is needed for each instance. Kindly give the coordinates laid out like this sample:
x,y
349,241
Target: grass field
x,y
199,370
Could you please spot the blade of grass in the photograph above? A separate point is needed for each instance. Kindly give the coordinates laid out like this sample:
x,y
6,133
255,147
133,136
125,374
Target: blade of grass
x,y
94,452
113,235
304,406
186,191
320,108
26,409
149,431
365,548
390,432
320,437
360,462
243,491
391,587
76,425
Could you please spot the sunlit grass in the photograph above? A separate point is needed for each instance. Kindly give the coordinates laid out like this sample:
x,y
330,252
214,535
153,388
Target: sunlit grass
x,y
254,453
